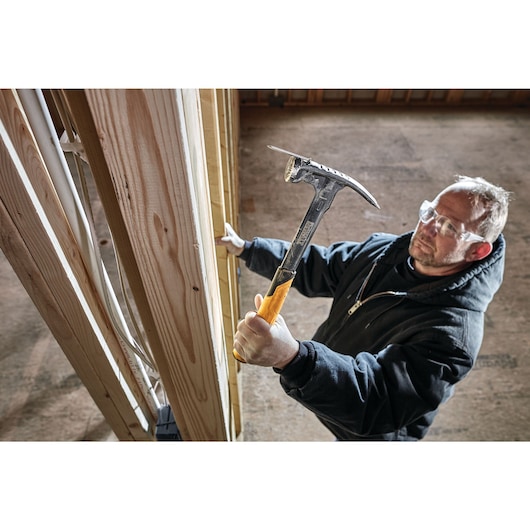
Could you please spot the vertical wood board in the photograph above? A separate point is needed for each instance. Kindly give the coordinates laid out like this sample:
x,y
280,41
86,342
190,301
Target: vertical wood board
x,y
145,145
40,246
213,122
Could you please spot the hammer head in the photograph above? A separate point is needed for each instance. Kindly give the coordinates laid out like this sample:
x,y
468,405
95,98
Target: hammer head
x,y
304,169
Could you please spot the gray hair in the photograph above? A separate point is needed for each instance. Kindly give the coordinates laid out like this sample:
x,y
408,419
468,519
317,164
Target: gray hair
x,y
494,199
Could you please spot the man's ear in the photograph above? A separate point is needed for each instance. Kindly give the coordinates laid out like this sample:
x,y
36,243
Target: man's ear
x,y
480,251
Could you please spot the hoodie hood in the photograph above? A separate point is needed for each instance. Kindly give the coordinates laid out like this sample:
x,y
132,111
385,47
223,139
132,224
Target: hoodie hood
x,y
472,288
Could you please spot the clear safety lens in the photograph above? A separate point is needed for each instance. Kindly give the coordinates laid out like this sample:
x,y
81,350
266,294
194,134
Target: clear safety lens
x,y
444,225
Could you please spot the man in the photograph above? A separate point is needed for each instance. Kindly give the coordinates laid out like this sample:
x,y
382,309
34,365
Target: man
x,y
407,318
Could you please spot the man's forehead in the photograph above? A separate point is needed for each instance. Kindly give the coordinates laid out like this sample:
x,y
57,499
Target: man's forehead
x,y
459,191
458,204
463,185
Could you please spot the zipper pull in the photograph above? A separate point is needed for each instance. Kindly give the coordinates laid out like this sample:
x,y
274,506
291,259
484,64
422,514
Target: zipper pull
x,y
354,307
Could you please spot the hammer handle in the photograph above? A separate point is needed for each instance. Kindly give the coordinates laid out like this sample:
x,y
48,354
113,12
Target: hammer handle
x,y
273,302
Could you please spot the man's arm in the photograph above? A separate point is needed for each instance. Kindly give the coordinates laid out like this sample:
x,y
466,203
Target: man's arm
x,y
369,393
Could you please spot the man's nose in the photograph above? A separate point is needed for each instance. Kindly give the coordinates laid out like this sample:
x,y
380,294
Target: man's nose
x,y
431,227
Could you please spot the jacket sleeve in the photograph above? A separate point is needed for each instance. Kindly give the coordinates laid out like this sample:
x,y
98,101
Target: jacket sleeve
x,y
373,394
320,268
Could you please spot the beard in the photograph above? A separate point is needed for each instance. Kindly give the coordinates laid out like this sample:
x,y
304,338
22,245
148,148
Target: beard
x,y
428,256
422,250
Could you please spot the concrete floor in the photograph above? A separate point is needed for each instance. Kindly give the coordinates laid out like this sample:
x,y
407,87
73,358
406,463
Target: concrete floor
x,y
402,158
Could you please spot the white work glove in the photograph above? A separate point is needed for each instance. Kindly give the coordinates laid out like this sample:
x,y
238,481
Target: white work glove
x,y
257,342
233,243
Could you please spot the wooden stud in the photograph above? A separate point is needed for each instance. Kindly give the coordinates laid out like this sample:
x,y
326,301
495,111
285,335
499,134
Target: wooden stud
x,y
454,96
228,119
221,214
40,246
383,96
148,145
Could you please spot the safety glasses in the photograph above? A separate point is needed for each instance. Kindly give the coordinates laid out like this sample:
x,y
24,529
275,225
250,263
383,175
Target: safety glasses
x,y
444,225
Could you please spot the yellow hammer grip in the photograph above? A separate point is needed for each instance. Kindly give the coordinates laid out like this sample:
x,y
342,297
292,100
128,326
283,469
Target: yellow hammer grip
x,y
270,307
272,304
238,357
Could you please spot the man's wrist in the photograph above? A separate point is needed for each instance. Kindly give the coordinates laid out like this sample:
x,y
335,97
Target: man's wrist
x,y
289,360
244,252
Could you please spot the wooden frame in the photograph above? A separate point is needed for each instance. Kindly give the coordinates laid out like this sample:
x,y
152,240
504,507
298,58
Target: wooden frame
x,y
39,244
408,98
216,108
147,154
164,162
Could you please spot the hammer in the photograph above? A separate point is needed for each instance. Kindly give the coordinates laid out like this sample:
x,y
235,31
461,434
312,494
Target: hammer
x,y
326,182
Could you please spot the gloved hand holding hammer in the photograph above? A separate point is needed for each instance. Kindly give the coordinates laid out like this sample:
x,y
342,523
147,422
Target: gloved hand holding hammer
x,y
256,341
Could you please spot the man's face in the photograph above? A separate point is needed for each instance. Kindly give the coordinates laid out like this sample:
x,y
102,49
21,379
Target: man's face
x,y
435,254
